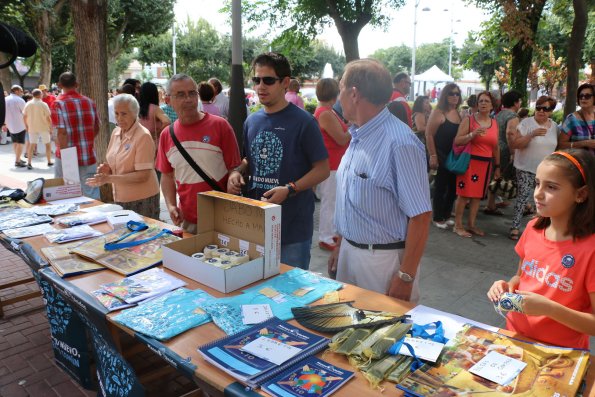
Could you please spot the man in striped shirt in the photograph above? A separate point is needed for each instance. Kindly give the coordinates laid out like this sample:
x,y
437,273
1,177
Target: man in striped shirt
x,y
383,205
76,119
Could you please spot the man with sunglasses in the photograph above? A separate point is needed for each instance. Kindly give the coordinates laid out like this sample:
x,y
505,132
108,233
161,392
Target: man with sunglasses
x,y
208,139
285,158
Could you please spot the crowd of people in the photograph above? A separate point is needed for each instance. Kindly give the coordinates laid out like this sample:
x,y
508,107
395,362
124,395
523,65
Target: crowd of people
x,y
370,157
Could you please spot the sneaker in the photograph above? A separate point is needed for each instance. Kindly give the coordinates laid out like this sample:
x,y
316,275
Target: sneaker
x,y
450,222
29,167
326,246
441,225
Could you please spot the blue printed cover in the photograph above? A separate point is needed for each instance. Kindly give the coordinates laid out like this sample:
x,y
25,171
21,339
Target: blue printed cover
x,y
169,315
226,353
310,377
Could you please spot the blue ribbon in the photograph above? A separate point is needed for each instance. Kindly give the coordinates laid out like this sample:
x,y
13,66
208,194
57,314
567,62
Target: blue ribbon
x,y
134,227
394,349
420,331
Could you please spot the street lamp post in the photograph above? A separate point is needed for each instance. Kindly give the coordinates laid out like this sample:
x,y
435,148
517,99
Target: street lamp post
x,y
173,35
413,51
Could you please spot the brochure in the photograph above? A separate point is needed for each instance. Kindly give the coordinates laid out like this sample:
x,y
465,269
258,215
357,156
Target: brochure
x,y
228,353
310,377
85,218
29,231
80,232
110,302
144,285
67,264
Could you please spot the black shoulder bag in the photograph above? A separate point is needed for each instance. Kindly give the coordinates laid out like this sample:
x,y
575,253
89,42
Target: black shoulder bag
x,y
214,185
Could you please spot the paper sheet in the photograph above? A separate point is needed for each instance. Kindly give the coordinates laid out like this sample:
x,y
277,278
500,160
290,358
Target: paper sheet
x,y
70,169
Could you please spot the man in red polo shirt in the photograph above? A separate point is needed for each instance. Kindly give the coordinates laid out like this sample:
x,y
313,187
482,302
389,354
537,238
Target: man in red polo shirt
x,y
75,117
401,87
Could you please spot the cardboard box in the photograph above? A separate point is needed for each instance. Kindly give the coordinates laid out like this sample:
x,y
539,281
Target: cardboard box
x,y
57,189
233,222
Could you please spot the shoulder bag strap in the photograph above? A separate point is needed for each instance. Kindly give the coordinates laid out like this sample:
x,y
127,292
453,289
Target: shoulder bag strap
x,y
214,185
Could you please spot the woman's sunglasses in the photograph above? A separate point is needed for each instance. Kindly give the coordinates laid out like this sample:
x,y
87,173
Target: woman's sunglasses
x,y
544,108
585,96
266,80
454,94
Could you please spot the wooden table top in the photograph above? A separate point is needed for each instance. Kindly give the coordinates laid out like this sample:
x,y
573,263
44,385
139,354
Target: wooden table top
x,y
214,380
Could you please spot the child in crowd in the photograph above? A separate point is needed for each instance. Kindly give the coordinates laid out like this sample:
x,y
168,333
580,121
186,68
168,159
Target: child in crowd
x,y
556,275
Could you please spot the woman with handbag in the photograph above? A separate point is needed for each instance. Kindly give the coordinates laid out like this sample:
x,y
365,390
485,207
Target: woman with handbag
x,y
534,139
441,130
480,132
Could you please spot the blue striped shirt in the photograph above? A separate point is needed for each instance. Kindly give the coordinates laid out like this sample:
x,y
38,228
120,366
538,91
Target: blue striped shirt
x,y
382,182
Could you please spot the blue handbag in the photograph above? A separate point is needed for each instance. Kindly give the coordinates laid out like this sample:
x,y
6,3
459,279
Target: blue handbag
x,y
458,159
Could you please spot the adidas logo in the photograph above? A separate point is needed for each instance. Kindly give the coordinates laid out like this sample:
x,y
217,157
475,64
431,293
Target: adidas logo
x,y
544,276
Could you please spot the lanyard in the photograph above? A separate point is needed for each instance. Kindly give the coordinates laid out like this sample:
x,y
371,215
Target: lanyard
x,y
134,227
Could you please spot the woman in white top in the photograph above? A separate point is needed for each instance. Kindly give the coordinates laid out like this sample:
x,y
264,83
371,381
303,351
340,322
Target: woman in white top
x,y
534,138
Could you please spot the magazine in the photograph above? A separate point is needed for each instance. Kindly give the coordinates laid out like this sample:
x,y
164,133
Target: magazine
x,y
549,370
130,260
144,285
67,264
230,355
110,302
310,377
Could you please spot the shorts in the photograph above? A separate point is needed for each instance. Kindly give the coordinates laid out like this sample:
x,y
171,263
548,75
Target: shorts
x,y
18,137
34,137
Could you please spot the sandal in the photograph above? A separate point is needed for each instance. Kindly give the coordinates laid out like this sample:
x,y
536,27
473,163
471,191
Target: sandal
x,y
492,211
514,234
461,232
476,231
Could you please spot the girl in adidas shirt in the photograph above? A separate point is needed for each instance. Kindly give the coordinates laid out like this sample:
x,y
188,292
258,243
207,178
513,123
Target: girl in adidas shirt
x,y
556,275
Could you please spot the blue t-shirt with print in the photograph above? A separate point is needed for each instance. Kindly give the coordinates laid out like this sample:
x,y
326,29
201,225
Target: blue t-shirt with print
x,y
281,148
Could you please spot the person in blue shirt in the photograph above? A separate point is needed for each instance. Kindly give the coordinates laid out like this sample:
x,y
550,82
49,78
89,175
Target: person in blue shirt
x,y
284,158
382,210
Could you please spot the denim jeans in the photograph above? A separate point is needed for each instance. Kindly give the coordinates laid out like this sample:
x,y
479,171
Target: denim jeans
x,y
297,254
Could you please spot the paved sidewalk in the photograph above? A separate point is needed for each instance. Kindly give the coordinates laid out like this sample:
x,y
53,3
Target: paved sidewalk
x,y
456,273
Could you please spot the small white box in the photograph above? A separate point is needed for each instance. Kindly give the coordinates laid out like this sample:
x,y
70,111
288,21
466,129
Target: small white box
x,y
70,185
119,219
233,222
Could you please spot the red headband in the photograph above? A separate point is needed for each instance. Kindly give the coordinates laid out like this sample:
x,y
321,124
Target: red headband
x,y
574,161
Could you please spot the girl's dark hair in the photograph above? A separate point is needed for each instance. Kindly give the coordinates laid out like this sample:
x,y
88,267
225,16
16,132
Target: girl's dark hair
x,y
585,86
206,91
443,101
148,95
418,105
582,221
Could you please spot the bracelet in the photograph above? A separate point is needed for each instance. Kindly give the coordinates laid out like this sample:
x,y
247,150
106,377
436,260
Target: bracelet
x,y
292,189
433,155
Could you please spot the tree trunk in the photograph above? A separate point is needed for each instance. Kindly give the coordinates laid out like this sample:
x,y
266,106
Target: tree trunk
x,y
519,69
90,27
577,38
350,45
5,77
42,32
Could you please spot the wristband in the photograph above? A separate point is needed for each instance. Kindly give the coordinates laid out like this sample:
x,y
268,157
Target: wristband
x,y
292,190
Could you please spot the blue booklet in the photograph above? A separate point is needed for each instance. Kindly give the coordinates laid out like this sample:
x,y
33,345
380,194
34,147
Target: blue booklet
x,y
233,354
310,377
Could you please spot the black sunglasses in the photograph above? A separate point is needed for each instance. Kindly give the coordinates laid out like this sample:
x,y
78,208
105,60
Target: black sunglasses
x,y
454,94
266,80
585,96
544,108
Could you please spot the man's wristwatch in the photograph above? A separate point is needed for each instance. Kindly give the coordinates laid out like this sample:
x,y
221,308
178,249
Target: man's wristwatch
x,y
406,277
290,187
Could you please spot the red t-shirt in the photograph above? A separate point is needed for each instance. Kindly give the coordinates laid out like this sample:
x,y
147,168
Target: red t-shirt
x,y
561,271
212,144
397,96
335,151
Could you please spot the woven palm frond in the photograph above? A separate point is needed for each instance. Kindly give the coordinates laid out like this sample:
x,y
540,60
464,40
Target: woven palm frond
x,y
335,317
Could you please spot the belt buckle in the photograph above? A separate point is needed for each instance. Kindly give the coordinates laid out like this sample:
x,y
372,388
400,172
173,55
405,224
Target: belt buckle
x,y
370,247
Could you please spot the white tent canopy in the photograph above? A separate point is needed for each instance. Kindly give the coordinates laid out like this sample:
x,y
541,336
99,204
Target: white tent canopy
x,y
434,74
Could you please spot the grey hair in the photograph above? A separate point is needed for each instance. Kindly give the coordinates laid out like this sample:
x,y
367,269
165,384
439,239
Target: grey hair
x,y
177,77
129,100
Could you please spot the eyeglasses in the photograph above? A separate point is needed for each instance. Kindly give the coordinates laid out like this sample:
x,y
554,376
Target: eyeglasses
x,y
454,94
585,96
184,95
544,108
268,80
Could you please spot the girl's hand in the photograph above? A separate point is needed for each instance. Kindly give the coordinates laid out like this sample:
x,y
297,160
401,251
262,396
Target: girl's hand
x,y
535,304
496,290
104,168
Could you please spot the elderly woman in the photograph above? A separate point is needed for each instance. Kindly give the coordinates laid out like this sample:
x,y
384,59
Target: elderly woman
x,y
130,159
441,130
578,130
336,139
481,131
535,138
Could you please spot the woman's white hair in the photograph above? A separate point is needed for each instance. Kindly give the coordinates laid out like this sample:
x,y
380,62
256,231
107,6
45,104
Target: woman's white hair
x,y
129,100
